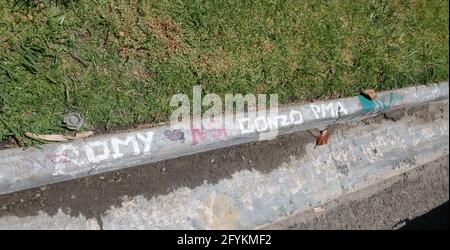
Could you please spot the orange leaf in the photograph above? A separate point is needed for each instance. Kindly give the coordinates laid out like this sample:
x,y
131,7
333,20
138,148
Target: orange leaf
x,y
322,139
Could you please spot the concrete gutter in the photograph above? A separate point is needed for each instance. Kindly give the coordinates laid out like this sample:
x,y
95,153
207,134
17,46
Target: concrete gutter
x,y
359,155
26,168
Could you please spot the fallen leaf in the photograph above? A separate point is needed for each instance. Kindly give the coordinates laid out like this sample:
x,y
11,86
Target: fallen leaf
x,y
369,94
58,138
322,139
80,135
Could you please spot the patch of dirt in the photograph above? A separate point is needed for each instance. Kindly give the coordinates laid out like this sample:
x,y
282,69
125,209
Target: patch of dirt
x,y
8,143
4,144
169,33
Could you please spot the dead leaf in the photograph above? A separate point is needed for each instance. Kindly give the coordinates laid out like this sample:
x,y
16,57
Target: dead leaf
x,y
58,138
369,94
322,139
80,135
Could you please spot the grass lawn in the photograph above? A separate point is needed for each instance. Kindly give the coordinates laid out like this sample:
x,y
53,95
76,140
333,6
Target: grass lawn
x,y
118,63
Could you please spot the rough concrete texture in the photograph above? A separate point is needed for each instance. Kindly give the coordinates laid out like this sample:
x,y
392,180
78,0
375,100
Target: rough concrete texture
x,y
392,204
42,221
51,163
241,188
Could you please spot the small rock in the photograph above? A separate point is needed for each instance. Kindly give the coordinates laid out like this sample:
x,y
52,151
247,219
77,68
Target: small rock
x,y
102,177
212,160
72,197
163,169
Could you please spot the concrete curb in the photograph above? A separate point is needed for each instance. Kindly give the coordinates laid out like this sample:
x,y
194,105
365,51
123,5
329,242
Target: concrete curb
x,y
360,154
27,168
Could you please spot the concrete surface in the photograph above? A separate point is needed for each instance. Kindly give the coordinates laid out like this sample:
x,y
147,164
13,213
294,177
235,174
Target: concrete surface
x,y
247,186
392,204
50,163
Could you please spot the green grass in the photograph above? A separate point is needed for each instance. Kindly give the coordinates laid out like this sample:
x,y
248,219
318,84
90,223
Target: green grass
x,y
119,62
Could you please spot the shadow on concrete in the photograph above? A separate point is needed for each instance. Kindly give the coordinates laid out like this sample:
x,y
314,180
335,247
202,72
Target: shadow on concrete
x,y
436,219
